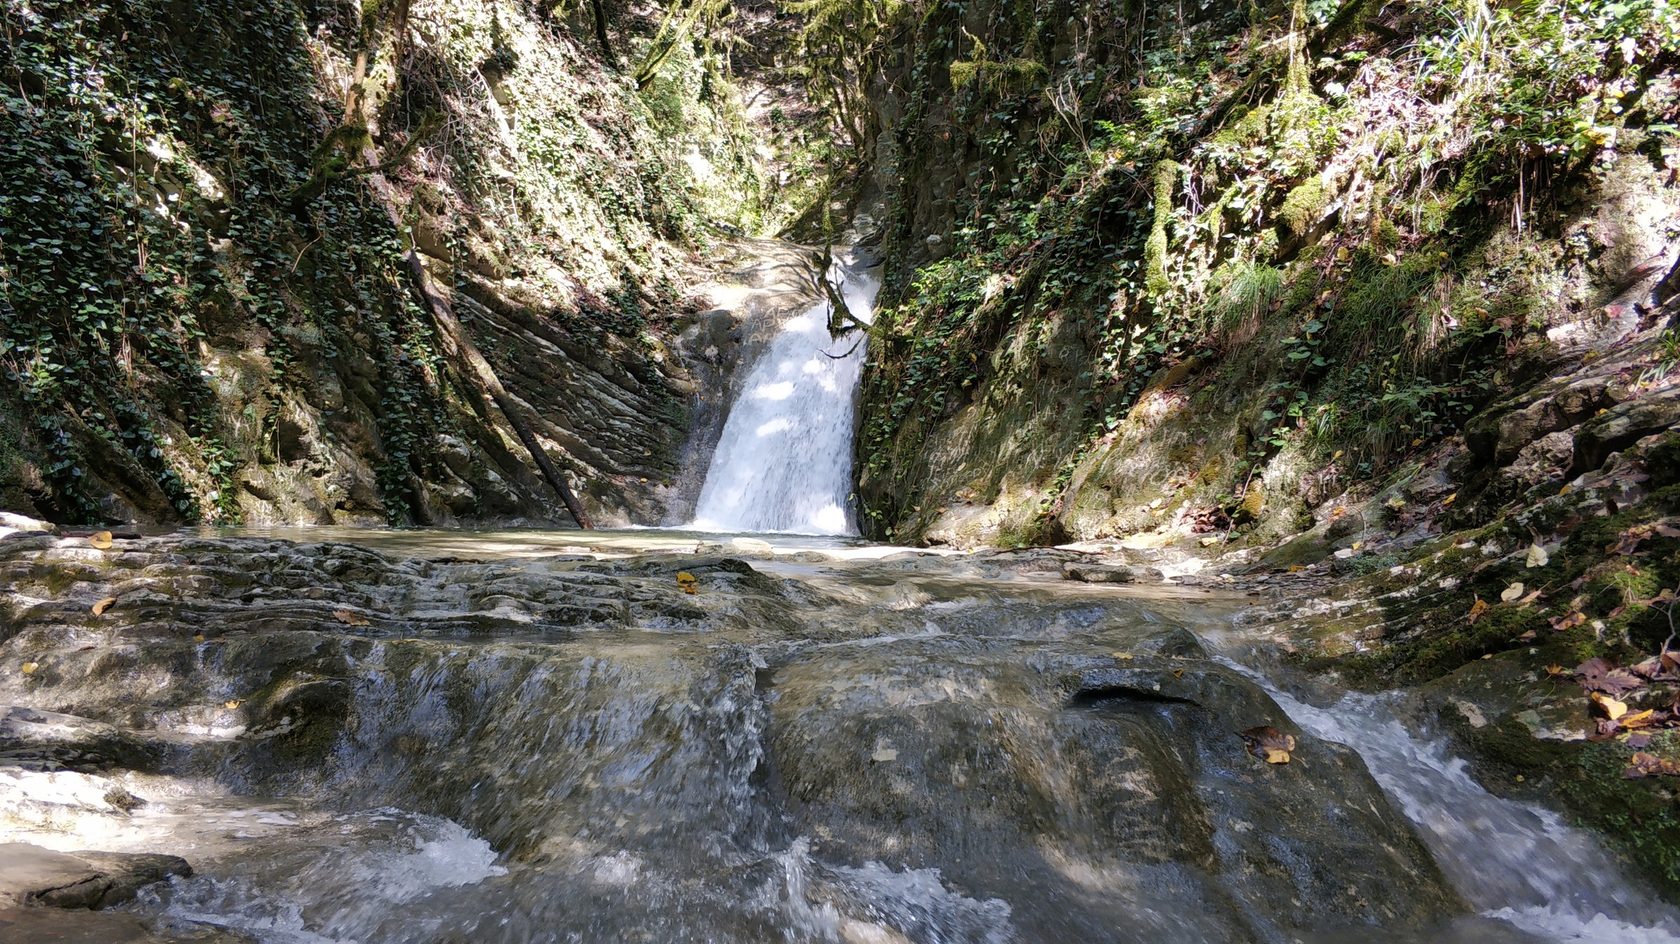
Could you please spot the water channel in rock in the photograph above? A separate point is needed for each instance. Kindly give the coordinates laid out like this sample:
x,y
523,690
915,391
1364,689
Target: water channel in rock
x,y
382,736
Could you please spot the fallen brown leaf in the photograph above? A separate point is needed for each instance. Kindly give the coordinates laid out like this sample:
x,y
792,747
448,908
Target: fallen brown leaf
x,y
1561,623
1269,744
1627,543
101,540
1644,764
350,618
1598,675
103,605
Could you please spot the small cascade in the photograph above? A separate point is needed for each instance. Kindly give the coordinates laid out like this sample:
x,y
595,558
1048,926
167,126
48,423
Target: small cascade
x,y
1514,862
784,461
907,750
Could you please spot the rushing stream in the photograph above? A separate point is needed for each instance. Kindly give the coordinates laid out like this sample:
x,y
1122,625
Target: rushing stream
x,y
544,737
1518,863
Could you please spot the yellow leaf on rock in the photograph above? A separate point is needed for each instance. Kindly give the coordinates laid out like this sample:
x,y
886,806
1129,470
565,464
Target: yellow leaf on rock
x,y
30,667
1275,756
1477,609
101,540
103,605
1447,502
1638,718
232,703
1612,708
349,618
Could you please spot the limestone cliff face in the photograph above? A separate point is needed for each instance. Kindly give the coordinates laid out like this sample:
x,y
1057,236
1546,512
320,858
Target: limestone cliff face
x,y
1157,276
205,312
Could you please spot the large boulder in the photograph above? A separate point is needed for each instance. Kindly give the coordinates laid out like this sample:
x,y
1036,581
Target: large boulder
x,y
1104,798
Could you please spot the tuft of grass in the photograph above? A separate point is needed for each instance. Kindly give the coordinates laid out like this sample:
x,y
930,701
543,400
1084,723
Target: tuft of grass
x,y
1246,291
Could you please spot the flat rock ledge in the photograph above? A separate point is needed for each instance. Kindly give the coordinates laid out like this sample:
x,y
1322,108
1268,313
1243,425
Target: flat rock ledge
x,y
32,875
27,925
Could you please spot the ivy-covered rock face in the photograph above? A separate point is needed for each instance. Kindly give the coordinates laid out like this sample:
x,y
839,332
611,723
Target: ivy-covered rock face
x,y
205,309
1178,256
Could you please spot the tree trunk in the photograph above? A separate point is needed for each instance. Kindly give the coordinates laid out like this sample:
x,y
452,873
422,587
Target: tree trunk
x,y
599,9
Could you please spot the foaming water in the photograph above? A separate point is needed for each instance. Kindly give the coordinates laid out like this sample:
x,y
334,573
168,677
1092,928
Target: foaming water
x,y
1514,862
353,878
784,461
875,904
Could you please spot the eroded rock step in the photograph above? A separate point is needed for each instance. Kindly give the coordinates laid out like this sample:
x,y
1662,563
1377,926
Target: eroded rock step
x,y
883,747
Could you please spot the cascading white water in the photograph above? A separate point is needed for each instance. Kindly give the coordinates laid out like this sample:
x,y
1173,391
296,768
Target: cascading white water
x,y
784,461
1515,862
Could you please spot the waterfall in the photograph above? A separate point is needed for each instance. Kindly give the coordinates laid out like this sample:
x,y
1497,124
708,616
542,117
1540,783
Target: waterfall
x,y
784,461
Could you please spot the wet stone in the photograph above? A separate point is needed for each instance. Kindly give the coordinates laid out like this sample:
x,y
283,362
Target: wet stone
x,y
31,875
52,926
903,749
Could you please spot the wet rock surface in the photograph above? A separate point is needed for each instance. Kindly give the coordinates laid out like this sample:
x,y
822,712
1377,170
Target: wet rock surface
x,y
51,926
32,875
900,749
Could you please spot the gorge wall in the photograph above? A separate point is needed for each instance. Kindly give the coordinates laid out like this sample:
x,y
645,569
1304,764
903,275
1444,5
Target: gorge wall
x,y
206,313
1196,271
